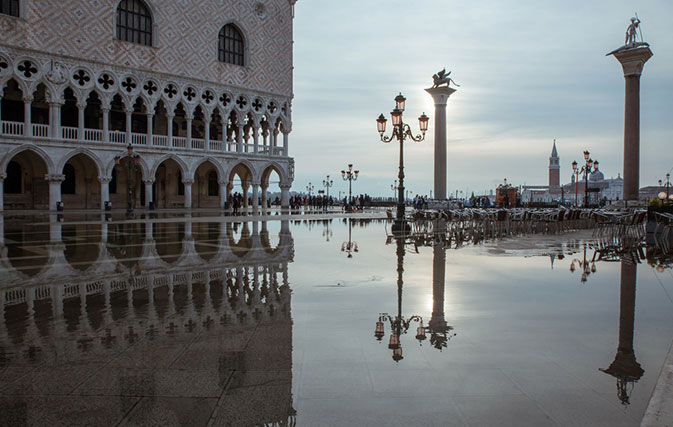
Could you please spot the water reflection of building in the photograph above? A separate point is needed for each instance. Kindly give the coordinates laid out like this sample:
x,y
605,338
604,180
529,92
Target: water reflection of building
x,y
437,327
154,300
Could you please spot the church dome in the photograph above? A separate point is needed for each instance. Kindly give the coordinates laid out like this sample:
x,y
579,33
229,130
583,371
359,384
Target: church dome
x,y
596,176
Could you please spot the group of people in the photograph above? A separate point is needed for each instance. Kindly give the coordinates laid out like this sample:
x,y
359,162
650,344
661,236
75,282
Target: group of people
x,y
319,202
357,203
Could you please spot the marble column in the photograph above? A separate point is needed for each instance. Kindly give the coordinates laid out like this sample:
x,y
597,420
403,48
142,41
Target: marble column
x,y
189,119
285,197
223,193
27,121
81,106
54,119
188,192
106,123
104,190
148,191
2,192
169,118
239,139
54,181
206,129
129,114
286,140
632,60
150,129
255,197
440,95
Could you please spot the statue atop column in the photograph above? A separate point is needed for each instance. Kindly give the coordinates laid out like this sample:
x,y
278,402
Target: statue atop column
x,y
633,33
442,77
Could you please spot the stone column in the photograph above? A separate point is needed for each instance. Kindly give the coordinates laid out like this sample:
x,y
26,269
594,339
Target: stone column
x,y
104,190
106,123
80,120
286,139
245,195
255,138
150,129
188,192
54,119
223,193
189,119
255,197
2,193
440,95
264,195
27,122
129,113
632,59
239,139
169,119
206,128
148,191
285,196
54,181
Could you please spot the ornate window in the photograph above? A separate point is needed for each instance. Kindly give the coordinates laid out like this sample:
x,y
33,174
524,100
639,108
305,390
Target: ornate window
x,y
134,22
9,7
231,47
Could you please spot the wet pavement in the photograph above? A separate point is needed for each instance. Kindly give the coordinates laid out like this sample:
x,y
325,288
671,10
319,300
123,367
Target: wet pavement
x,y
167,320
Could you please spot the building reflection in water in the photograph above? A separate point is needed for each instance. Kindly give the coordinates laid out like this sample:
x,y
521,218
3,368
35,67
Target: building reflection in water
x,y
438,328
153,300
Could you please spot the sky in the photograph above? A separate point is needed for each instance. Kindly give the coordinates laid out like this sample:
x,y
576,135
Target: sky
x,y
529,72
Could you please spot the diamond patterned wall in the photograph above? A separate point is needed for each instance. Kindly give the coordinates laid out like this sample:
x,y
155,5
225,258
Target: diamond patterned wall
x,y
185,38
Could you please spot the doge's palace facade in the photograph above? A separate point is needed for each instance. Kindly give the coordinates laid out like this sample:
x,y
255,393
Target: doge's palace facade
x,y
175,103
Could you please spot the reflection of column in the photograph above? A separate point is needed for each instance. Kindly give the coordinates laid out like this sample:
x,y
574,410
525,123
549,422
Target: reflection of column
x,y
55,234
437,320
625,367
54,181
632,60
440,95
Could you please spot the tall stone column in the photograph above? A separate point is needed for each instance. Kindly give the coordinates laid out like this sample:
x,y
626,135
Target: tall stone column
x,y
285,197
54,181
81,106
255,197
104,190
632,59
223,193
188,192
2,192
106,123
148,191
129,115
27,121
440,95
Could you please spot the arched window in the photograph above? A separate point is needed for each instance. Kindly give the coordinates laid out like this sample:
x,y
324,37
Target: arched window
x,y
68,185
230,47
213,187
134,22
13,180
9,7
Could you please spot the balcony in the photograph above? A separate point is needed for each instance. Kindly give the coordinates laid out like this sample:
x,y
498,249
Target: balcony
x,y
42,132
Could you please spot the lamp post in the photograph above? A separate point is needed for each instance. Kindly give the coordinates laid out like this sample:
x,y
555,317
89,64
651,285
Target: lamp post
x,y
394,188
350,175
668,185
131,165
586,170
401,131
327,183
310,188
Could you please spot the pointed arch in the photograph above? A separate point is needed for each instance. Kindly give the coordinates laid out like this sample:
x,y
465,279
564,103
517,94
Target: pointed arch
x,y
28,147
181,163
85,151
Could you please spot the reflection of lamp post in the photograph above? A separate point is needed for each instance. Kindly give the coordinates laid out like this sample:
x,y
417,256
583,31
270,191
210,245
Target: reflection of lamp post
x,y
350,175
394,188
327,233
625,367
401,131
584,265
131,164
586,170
350,246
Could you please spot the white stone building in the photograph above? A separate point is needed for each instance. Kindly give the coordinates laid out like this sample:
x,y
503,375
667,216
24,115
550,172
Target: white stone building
x,y
201,90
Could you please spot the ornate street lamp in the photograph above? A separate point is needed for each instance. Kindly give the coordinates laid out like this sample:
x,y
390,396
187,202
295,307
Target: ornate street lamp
x,y
131,163
350,175
310,188
327,183
401,131
586,170
668,197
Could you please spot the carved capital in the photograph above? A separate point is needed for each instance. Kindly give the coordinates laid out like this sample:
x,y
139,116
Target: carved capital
x,y
54,177
222,182
104,179
285,186
3,176
188,181
633,60
148,181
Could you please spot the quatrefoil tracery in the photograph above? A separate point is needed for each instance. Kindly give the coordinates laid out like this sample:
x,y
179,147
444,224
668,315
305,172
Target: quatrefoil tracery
x,y
27,68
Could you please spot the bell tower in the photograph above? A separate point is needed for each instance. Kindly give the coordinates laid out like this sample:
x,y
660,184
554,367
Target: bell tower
x,y
554,168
